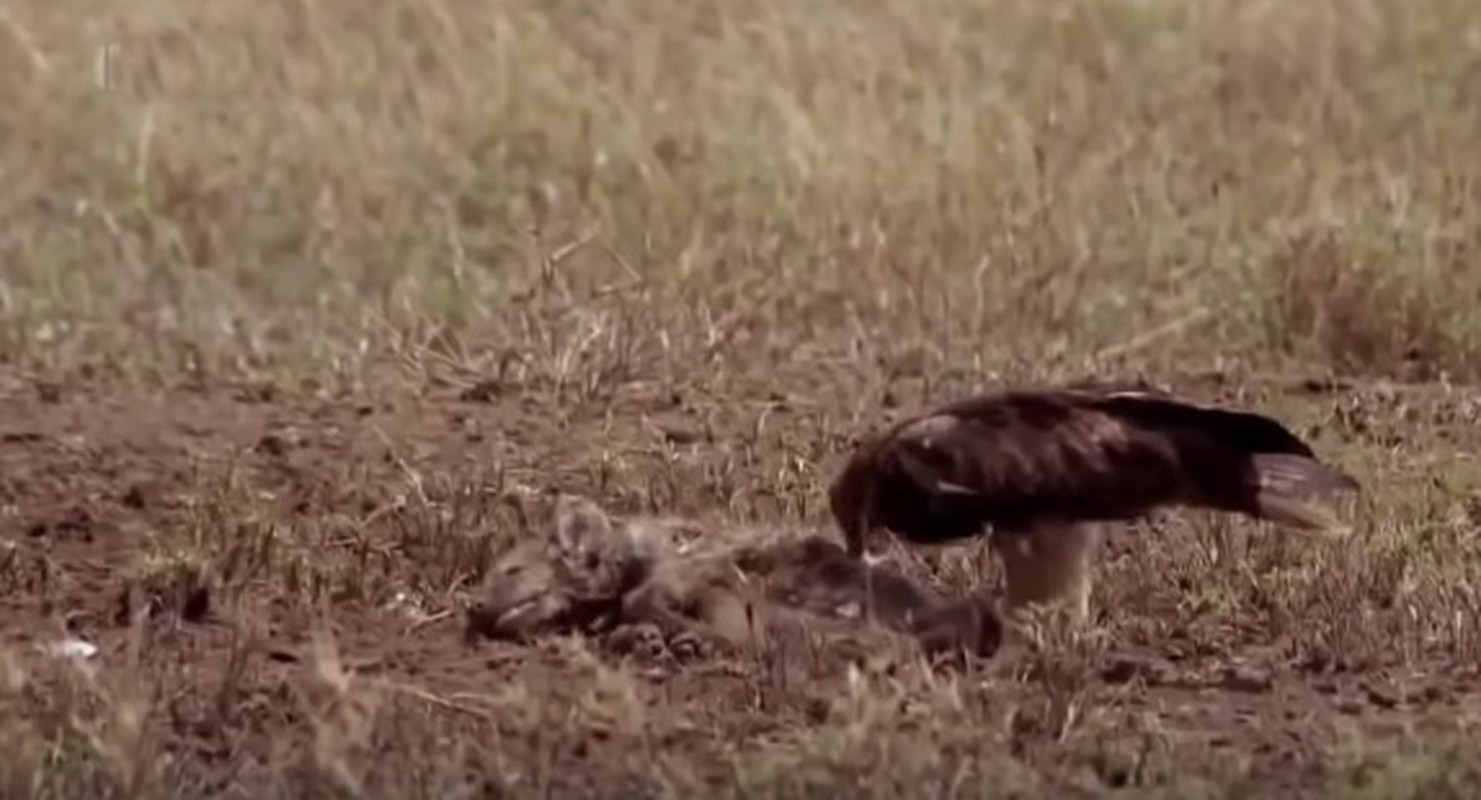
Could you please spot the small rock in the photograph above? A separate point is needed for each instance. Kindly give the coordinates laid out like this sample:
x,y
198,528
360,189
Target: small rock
x,y
1380,697
74,649
1247,679
1122,670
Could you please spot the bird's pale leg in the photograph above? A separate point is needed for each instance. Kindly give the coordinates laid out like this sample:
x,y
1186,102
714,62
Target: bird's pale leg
x,y
869,561
1049,566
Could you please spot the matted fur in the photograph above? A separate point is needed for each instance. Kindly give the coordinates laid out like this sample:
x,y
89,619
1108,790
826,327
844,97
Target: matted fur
x,y
736,586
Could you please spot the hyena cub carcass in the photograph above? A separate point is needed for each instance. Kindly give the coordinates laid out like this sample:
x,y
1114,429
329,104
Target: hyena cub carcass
x,y
731,586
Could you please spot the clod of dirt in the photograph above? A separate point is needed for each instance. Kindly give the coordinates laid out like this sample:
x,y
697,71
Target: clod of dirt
x,y
187,596
1127,669
1247,679
1381,696
272,445
278,443
680,431
481,392
73,522
134,498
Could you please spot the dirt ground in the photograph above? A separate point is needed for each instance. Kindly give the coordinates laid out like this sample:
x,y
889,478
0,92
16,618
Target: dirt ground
x,y
370,523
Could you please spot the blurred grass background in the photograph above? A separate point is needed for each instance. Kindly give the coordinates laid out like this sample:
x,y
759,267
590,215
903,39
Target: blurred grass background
x,y
284,190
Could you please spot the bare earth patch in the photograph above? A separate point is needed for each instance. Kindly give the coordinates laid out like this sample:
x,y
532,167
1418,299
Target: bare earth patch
x,y
339,566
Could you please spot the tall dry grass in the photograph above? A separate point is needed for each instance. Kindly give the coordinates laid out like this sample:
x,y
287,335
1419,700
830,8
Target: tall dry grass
x,y
278,189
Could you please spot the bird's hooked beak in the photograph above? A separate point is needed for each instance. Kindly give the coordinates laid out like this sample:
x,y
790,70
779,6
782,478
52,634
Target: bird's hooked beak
x,y
866,543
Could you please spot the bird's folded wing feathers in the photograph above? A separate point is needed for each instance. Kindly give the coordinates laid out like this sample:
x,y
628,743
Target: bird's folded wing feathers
x,y
965,456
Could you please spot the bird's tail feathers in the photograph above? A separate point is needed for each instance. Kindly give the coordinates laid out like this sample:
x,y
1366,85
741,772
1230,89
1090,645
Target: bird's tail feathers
x,y
1298,474
1285,484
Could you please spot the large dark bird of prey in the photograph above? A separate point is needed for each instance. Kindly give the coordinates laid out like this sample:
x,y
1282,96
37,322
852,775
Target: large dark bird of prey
x,y
1040,471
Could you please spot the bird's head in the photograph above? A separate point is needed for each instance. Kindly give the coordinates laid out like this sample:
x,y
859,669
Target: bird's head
x,y
850,499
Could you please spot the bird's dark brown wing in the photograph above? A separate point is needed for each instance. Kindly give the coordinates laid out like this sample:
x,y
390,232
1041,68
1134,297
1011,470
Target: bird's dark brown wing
x,y
1024,458
1253,432
1021,459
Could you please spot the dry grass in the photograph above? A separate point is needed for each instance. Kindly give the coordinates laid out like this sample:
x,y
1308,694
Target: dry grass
x,y
790,218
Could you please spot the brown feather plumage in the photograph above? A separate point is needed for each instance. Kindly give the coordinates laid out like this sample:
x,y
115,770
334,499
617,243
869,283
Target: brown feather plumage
x,y
1018,460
